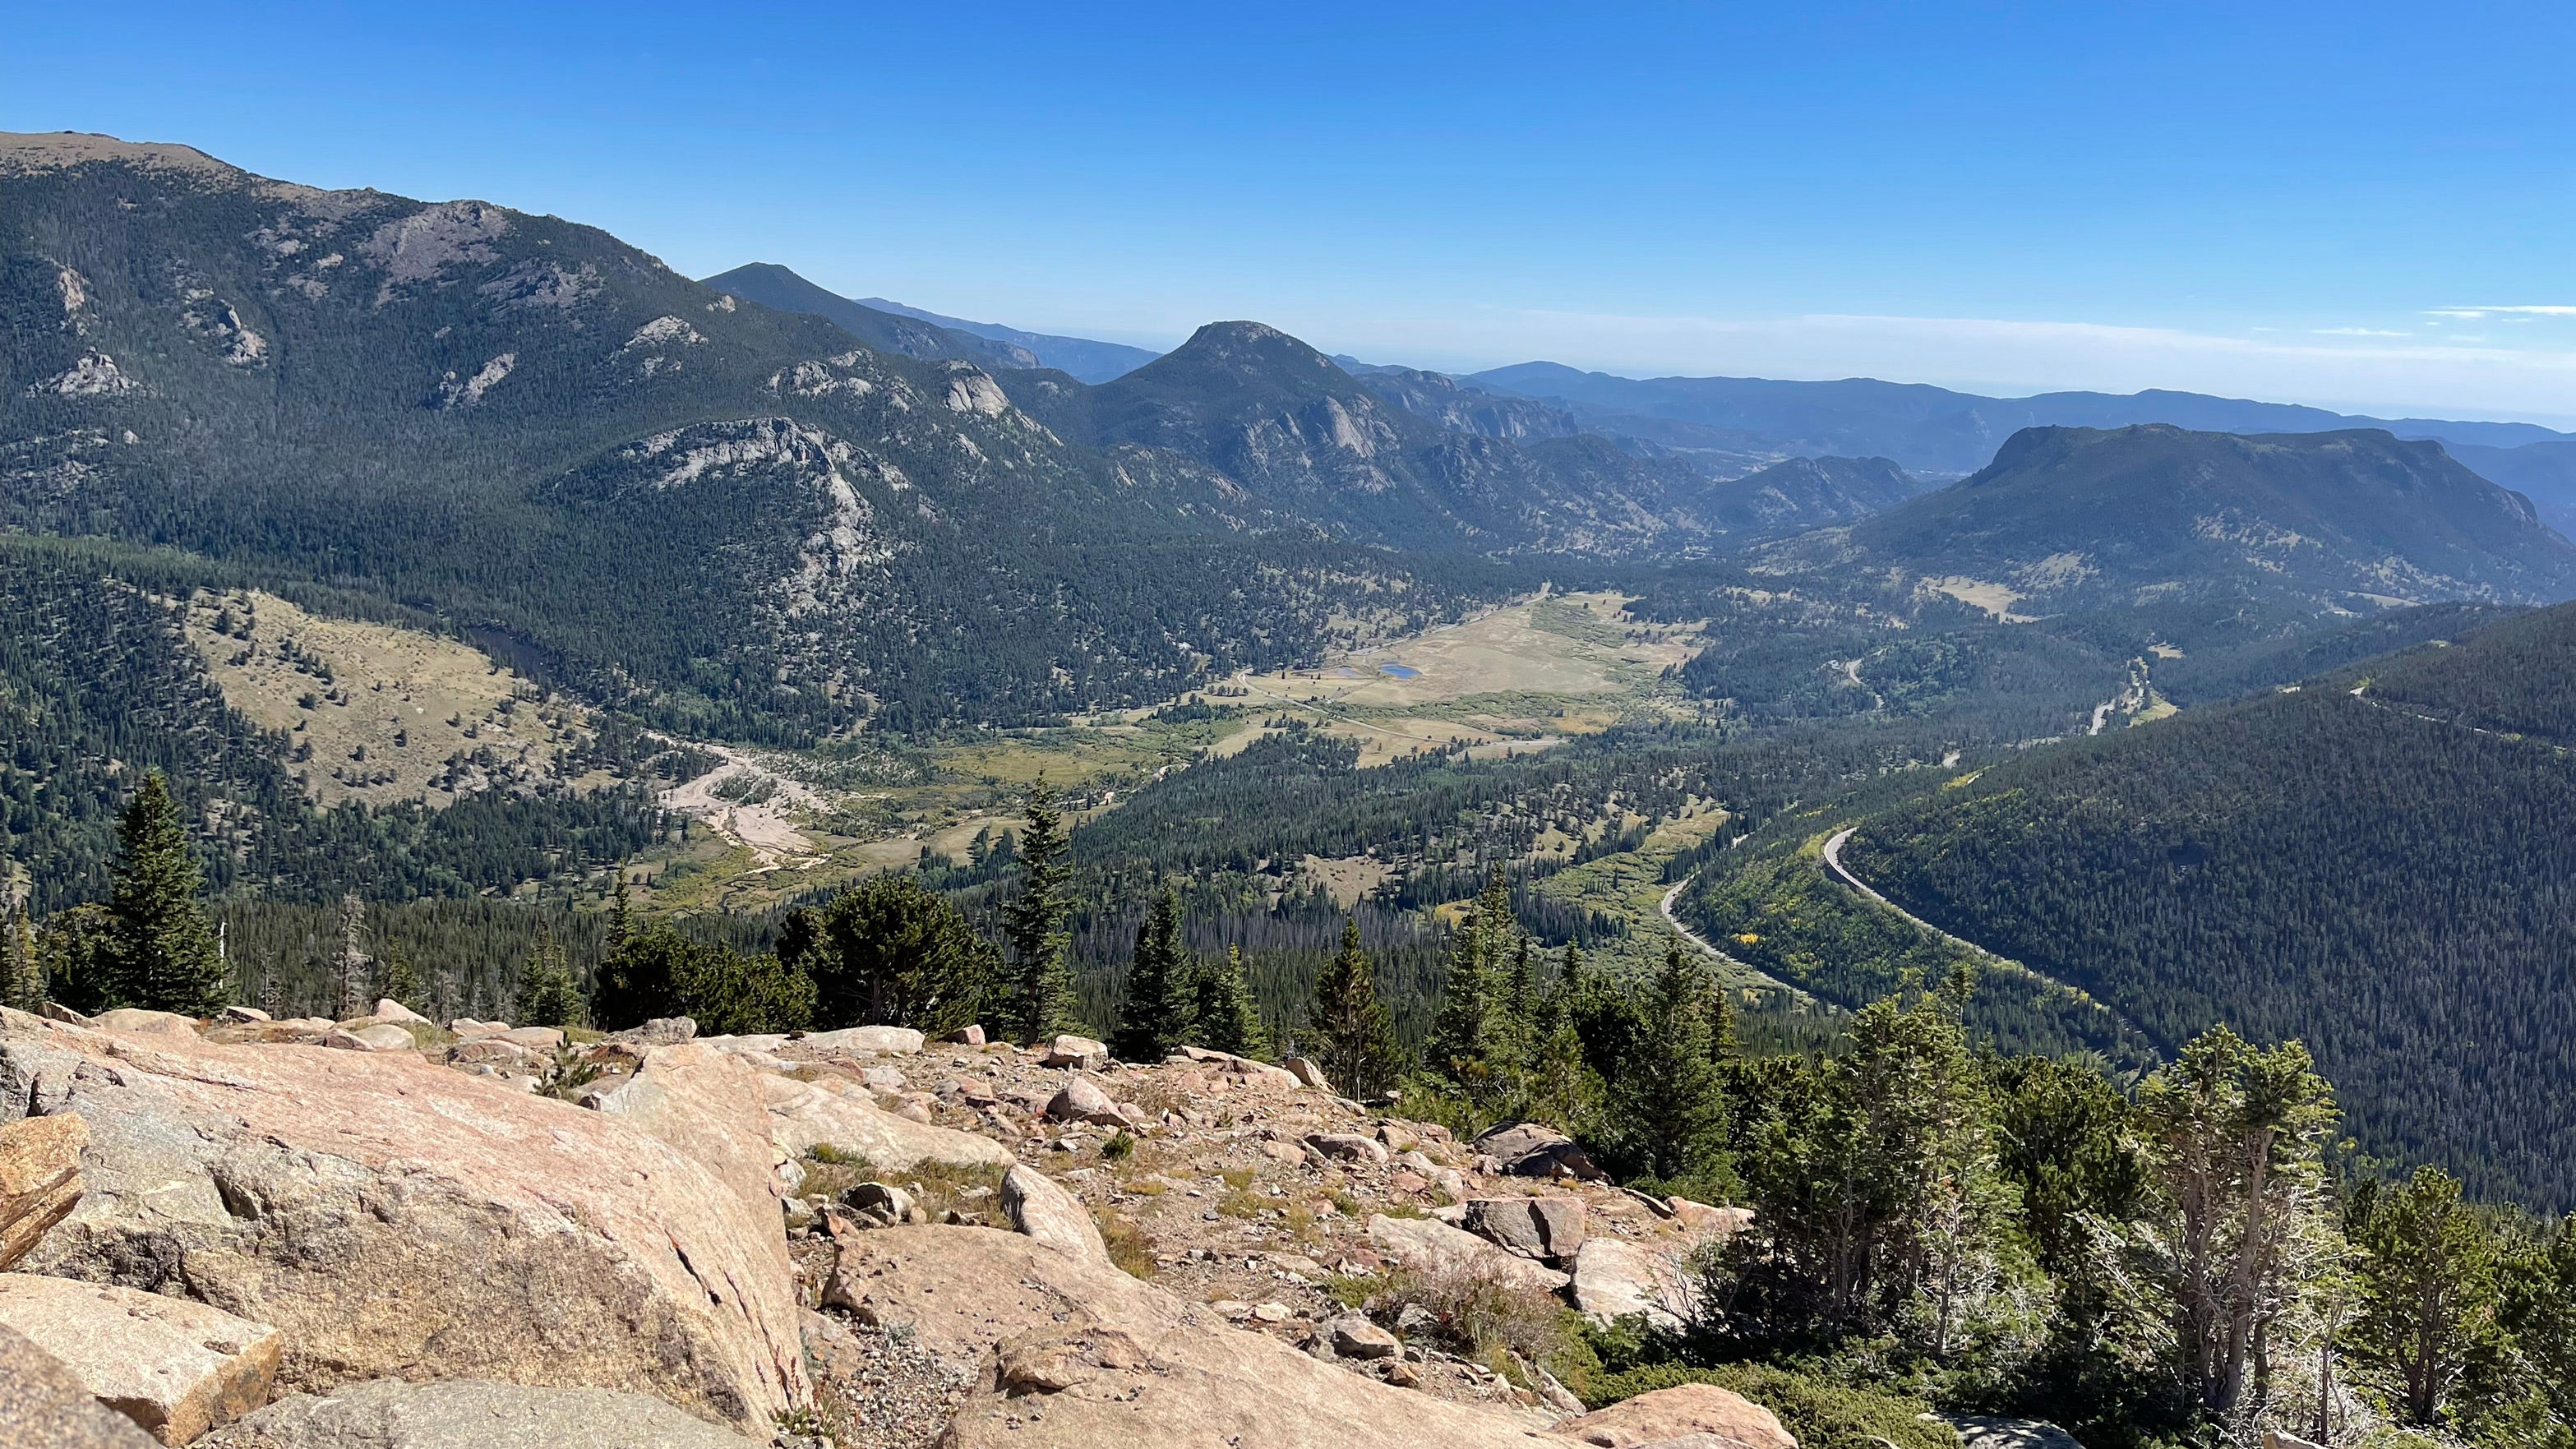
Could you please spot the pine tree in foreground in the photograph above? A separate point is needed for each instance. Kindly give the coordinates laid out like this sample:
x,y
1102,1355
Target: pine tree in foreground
x,y
547,995
165,956
1227,1019
1354,1035
22,974
1669,1090
1037,996
1161,1006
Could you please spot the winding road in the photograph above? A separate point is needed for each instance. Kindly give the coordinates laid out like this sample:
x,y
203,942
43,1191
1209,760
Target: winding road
x,y
1843,873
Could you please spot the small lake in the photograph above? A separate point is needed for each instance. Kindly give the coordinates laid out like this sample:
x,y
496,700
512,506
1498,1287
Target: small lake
x,y
1400,671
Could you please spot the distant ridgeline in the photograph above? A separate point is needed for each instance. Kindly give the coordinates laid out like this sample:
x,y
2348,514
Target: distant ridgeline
x,y
2378,862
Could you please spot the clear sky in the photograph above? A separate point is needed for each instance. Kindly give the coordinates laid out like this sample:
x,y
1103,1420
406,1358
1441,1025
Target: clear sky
x,y
2359,204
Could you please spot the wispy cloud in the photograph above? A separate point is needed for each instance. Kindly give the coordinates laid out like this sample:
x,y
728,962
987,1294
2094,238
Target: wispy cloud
x,y
2474,313
2353,332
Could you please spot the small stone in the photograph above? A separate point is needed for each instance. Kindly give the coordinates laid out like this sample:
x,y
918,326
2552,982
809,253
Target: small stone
x,y
1413,1321
1408,1182
967,1036
1273,1312
1234,1308
488,1052
1400,1374
543,1038
244,1013
1308,1073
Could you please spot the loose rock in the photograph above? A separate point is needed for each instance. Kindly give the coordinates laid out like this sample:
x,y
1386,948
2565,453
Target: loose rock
x,y
44,1405
129,1018
1526,1149
174,1367
1076,1051
1675,1414
382,1038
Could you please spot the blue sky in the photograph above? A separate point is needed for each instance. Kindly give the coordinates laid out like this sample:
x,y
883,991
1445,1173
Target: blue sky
x,y
2338,204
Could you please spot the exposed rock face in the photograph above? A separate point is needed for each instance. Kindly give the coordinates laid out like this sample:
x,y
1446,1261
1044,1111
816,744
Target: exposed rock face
x,y
40,1179
1674,1415
1079,1355
1614,1278
1426,1246
470,1414
1046,1212
711,1107
132,1018
44,1405
392,1216
803,1115
174,1367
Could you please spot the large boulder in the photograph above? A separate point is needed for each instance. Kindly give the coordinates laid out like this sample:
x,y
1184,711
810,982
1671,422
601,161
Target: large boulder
x,y
134,1018
1080,1356
44,1405
1083,1100
382,1037
838,1112
1527,1149
393,1217
1978,1432
174,1367
388,1009
851,1040
1614,1278
1426,1246
1037,1206
1076,1051
710,1106
40,1180
470,1414
1675,1415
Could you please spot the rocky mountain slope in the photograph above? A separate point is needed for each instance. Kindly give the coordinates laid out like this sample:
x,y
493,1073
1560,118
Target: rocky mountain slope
x,y
1085,358
851,1232
2075,518
781,290
487,414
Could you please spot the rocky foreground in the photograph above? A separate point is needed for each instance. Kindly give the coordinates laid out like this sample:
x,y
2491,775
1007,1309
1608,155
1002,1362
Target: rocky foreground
x,y
382,1232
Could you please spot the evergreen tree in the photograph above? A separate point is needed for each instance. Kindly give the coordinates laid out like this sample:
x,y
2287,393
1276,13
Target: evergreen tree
x,y
1037,998
621,917
2235,1139
1464,1045
1667,1093
165,956
1353,1032
547,995
396,980
1161,1008
1227,1020
22,974
349,963
890,952
2428,1301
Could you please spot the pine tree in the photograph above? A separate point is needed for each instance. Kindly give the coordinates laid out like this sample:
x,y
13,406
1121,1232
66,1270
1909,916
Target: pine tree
x,y
22,975
396,980
1354,1033
165,957
1038,997
1463,1045
1227,1019
621,917
1668,1093
547,994
2428,1301
1161,1007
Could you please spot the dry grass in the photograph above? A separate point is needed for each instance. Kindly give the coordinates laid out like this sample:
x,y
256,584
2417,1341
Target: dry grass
x,y
1481,1316
936,1186
1130,1246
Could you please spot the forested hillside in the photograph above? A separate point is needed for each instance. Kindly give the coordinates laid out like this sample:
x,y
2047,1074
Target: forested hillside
x,y
479,412
2377,863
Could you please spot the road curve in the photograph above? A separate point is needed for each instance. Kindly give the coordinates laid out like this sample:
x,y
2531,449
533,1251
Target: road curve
x,y
1834,863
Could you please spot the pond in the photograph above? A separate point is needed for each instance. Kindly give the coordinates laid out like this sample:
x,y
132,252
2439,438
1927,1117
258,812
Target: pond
x,y
1400,671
